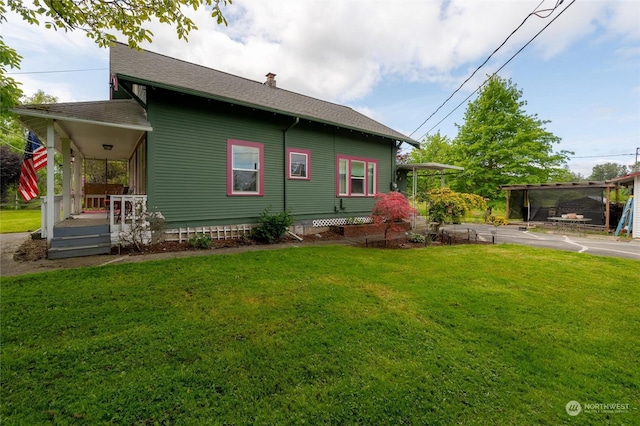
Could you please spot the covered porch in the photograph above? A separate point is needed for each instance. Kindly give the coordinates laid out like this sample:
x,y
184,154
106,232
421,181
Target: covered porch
x,y
107,130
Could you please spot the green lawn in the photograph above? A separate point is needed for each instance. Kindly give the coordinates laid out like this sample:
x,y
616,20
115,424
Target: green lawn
x,y
343,335
19,221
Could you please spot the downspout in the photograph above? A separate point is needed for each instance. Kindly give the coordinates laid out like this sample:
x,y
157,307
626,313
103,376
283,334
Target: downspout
x,y
284,156
394,166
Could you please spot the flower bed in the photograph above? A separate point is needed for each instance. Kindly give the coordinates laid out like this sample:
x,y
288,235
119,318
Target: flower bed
x,y
367,229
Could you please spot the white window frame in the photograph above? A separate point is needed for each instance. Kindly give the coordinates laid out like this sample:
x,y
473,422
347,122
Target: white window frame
x,y
344,176
258,168
307,164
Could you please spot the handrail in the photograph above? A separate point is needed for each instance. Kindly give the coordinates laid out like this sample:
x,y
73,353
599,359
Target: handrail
x,y
129,215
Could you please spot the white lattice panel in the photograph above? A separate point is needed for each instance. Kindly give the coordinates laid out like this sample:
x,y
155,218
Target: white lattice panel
x,y
223,232
318,223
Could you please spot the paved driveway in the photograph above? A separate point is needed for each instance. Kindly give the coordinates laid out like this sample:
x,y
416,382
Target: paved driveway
x,y
592,244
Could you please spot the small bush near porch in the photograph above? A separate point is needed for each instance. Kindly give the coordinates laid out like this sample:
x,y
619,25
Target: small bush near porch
x,y
325,335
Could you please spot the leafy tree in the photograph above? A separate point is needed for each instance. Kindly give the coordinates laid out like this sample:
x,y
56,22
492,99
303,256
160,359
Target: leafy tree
x,y
14,135
97,171
9,90
10,165
40,97
500,144
607,171
99,19
564,174
433,149
390,210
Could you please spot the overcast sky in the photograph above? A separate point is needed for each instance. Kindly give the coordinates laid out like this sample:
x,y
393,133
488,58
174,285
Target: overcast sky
x,y
398,61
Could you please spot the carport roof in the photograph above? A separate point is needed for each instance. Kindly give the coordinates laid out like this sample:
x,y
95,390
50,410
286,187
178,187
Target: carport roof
x,y
558,185
428,166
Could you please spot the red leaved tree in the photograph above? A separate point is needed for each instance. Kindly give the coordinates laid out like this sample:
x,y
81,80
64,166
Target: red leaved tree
x,y
390,210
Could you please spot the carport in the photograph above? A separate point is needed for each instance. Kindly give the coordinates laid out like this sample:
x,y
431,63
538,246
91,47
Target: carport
x,y
538,201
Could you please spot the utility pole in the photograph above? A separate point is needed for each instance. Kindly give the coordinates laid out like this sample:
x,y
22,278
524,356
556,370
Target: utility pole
x,y
636,166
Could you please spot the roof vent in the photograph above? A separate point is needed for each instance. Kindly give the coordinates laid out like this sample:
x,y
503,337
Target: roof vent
x,y
271,80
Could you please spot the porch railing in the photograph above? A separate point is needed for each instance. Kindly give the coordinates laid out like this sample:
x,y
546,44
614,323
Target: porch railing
x,y
57,209
126,212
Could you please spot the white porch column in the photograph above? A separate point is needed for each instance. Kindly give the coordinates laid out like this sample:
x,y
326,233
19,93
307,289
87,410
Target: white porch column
x,y
51,218
77,183
66,177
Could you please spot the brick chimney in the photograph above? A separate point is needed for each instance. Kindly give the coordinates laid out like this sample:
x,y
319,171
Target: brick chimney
x,y
271,80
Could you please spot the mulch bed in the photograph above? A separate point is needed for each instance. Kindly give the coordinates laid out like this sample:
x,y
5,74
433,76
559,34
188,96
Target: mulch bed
x,y
33,250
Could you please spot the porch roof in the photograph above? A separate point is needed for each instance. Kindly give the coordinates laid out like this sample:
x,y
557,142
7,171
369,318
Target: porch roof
x,y
90,125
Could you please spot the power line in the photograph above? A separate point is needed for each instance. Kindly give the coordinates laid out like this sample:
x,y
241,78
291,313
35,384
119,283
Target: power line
x,y
499,69
56,71
600,156
535,12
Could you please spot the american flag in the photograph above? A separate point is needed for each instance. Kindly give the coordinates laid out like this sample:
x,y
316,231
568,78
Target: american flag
x,y
35,158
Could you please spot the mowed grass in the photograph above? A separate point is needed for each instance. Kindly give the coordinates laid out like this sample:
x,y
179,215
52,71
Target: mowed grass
x,y
341,335
19,220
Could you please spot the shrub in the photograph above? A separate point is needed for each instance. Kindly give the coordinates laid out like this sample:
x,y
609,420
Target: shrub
x,y
498,220
390,209
417,238
272,227
443,204
201,241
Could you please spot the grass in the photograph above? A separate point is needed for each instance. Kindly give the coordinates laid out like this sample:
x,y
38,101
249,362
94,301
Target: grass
x,y
342,335
19,221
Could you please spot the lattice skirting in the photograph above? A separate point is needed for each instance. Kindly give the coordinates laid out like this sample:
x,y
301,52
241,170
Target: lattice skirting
x,y
226,232
223,232
340,221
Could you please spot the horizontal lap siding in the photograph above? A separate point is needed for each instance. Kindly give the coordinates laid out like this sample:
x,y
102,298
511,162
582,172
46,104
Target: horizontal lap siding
x,y
314,197
357,145
317,198
188,168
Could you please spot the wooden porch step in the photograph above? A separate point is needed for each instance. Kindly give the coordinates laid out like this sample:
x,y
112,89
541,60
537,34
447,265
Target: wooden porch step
x,y
77,241
79,251
80,240
71,231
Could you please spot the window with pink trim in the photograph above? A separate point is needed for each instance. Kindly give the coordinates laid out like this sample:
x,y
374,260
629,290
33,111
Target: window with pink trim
x,y
298,164
245,172
356,177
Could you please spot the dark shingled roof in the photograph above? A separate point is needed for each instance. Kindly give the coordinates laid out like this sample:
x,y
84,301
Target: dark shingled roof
x,y
154,69
121,113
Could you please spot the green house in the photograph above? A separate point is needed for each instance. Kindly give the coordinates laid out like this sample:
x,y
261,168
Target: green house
x,y
210,149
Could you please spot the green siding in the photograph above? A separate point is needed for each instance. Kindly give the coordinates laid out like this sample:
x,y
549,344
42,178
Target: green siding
x,y
187,163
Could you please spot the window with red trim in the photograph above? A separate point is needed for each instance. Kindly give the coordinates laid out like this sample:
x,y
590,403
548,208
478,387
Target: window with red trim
x,y
356,177
245,172
298,164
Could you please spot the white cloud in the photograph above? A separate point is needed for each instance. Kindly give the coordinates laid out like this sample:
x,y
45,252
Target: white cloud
x,y
340,50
